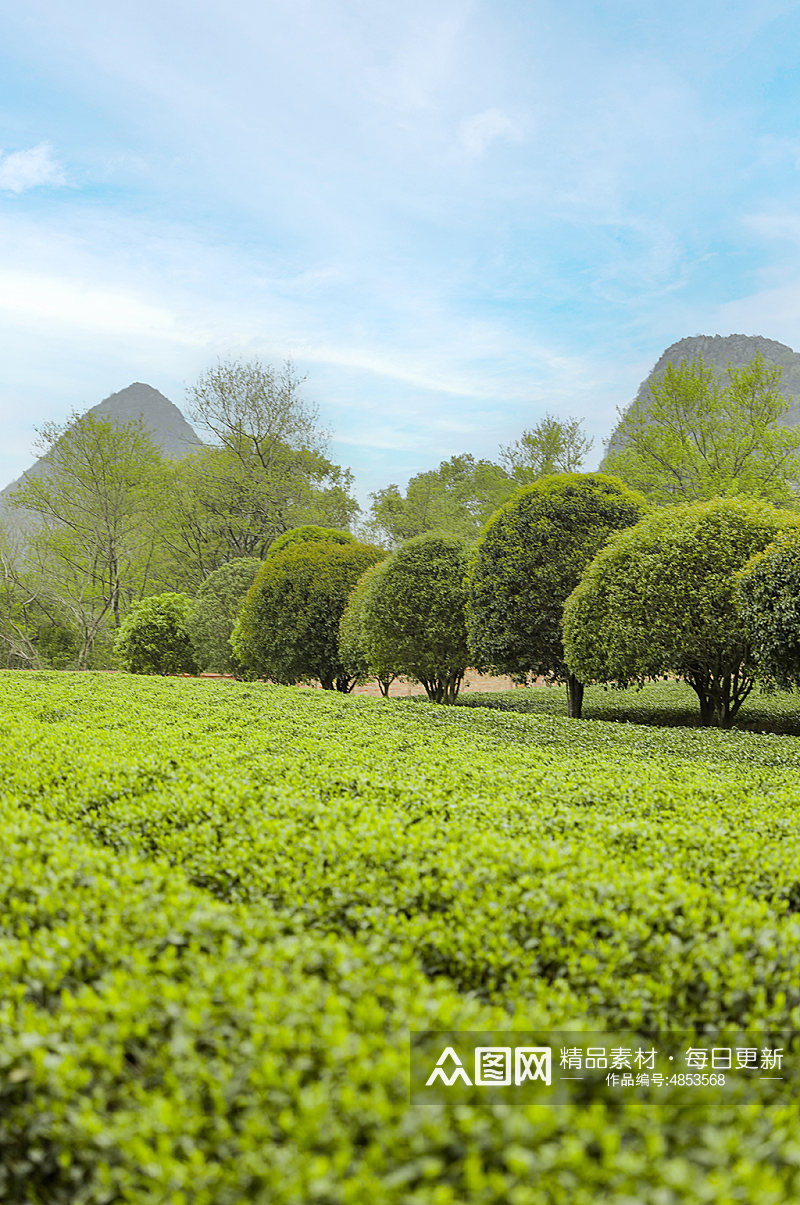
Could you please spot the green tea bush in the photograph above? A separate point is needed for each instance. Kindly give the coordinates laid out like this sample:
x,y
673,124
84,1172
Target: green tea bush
x,y
413,619
154,637
224,906
216,608
659,599
288,626
530,556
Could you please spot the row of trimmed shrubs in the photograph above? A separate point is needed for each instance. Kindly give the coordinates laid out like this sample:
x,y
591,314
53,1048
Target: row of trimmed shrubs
x,y
573,579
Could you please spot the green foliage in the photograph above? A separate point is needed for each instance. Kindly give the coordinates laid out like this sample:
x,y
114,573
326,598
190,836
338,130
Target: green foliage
x,y
91,529
56,645
265,471
457,498
529,558
288,627
699,436
413,617
310,532
553,446
154,637
22,619
226,506
768,601
659,599
353,646
216,941
218,603
666,702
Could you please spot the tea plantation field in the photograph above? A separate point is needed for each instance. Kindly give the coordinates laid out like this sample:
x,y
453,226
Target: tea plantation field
x,y
224,906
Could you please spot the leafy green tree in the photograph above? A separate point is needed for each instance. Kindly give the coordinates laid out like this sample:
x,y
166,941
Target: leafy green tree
x,y
288,627
697,435
768,601
217,606
95,502
353,647
154,637
310,532
529,558
223,508
35,631
554,445
19,610
413,618
264,472
458,498
659,600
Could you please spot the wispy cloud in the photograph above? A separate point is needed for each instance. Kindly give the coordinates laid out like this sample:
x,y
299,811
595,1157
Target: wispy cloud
x,y
87,306
34,168
459,214
478,132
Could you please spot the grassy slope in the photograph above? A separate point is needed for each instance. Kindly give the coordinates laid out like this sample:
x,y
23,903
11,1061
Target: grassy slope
x,y
300,871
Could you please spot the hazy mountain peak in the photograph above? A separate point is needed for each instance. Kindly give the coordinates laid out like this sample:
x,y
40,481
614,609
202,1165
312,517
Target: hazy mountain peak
x,y
168,427
737,350
170,430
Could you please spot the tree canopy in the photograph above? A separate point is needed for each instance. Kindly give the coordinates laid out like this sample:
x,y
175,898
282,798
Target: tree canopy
x,y
697,435
659,599
529,558
458,498
768,600
288,626
413,620
554,445
97,496
264,473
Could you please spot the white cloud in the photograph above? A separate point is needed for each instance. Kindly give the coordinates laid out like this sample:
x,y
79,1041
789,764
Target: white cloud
x,y
48,300
776,225
478,132
21,170
774,313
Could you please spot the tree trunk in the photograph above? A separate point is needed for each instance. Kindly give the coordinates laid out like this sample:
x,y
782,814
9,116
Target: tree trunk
x,y
574,697
444,688
714,708
452,684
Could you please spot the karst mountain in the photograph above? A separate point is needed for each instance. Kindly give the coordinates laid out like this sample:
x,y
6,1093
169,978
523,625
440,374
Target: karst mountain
x,y
168,427
737,350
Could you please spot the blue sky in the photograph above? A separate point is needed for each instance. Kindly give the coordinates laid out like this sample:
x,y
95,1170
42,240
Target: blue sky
x,y
453,217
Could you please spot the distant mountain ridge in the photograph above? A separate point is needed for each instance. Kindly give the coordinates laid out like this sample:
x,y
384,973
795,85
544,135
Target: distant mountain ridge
x,y
719,351
169,429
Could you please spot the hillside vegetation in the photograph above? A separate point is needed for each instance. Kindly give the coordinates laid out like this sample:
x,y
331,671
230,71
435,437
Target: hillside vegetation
x,y
226,905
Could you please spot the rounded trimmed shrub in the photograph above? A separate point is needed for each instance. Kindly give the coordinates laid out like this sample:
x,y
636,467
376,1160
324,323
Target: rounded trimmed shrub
x,y
309,532
154,637
413,617
353,648
288,627
768,600
529,558
218,603
660,600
